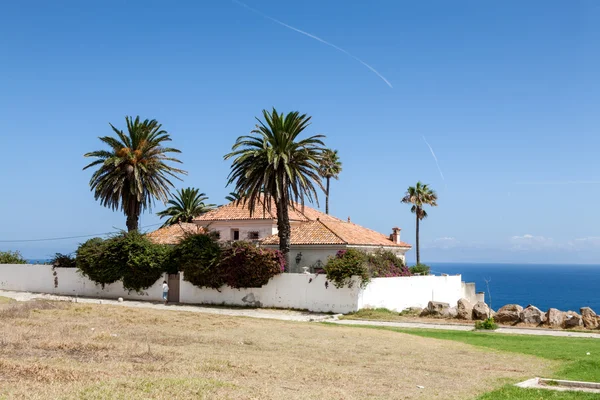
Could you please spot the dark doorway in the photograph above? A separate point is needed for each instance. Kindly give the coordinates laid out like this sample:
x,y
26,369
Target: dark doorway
x,y
173,296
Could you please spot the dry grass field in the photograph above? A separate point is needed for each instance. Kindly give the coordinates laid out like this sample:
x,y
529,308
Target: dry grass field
x,y
56,350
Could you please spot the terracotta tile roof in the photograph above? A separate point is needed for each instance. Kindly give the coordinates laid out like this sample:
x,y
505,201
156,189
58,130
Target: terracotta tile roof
x,y
174,234
233,211
321,232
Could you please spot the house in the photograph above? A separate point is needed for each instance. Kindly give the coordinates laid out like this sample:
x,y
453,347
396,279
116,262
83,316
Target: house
x,y
234,221
314,235
312,242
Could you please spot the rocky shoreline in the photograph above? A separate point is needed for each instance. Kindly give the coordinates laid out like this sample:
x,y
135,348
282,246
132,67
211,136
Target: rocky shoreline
x,y
512,314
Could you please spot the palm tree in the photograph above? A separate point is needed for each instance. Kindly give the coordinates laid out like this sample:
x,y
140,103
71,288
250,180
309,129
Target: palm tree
x,y
330,167
272,163
233,196
420,195
134,171
185,206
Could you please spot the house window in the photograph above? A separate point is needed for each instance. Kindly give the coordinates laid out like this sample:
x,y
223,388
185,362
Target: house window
x,y
253,235
236,234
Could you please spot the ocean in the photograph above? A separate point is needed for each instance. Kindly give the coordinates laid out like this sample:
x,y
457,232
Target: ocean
x,y
566,287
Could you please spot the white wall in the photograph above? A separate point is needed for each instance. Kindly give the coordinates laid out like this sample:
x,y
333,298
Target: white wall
x,y
41,279
299,291
263,227
410,291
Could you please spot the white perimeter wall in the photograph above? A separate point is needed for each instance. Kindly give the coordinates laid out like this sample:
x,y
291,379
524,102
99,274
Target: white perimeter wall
x,y
40,279
298,291
411,291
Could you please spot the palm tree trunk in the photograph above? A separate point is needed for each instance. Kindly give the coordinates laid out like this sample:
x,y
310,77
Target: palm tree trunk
x,y
327,198
283,225
132,222
418,252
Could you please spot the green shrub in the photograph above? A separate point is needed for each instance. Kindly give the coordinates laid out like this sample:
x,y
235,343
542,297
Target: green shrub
x,y
63,261
245,266
198,257
420,269
346,264
487,324
11,257
128,257
385,264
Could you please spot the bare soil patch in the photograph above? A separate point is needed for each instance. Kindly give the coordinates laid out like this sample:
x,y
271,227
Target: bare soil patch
x,y
75,351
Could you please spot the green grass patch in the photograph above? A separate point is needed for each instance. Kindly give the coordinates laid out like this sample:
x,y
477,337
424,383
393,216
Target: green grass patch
x,y
510,392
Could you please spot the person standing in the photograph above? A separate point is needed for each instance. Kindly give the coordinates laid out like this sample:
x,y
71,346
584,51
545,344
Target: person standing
x,y
165,291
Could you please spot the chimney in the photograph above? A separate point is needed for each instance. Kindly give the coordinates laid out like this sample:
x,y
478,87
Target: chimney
x,y
395,236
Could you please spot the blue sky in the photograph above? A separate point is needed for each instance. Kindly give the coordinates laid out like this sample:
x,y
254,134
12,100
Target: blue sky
x,y
506,93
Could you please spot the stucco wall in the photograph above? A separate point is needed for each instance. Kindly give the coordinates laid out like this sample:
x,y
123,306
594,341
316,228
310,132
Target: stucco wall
x,y
41,279
263,227
415,291
300,291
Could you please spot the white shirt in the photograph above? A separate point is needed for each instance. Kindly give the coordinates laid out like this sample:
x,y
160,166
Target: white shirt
x,y
165,288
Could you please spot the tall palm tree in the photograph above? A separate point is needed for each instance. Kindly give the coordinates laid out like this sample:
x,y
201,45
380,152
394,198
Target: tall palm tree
x,y
134,171
185,206
272,162
330,167
420,195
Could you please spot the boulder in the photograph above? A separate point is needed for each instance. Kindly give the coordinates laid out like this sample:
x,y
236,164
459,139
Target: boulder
x,y
464,309
572,320
589,317
532,315
555,318
480,311
436,309
509,314
450,313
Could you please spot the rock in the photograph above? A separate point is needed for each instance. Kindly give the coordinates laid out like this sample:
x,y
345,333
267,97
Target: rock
x,y
509,314
411,311
481,311
589,317
555,318
572,320
464,309
532,315
450,313
120,299
435,309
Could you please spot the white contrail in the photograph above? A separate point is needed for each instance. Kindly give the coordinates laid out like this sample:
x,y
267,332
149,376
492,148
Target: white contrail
x,y
435,158
559,183
314,37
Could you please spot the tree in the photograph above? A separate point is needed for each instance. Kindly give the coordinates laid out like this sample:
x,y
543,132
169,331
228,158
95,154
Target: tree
x,y
233,196
420,195
273,164
134,171
330,167
185,206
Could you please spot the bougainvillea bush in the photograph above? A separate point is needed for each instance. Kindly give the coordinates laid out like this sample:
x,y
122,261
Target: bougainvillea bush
x,y
386,264
344,265
244,265
353,262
